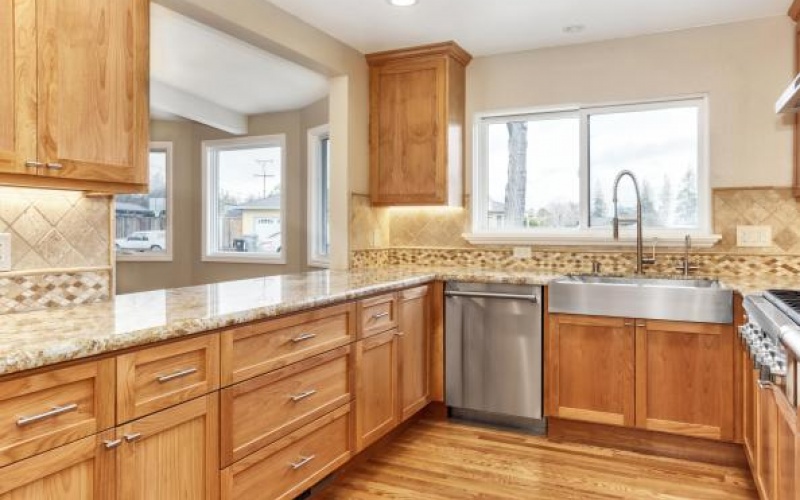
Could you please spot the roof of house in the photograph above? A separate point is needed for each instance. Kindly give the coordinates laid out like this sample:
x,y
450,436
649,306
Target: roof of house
x,y
272,202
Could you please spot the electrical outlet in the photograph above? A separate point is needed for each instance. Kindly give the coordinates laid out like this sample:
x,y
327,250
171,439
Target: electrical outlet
x,y
754,236
5,252
522,252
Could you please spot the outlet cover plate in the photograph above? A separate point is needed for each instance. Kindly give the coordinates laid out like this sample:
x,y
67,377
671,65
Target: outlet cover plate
x,y
522,252
5,252
754,236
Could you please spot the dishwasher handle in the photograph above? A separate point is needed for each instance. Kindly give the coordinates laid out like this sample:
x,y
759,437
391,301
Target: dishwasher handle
x,y
490,295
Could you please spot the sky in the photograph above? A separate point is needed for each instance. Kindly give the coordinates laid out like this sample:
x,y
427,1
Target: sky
x,y
649,143
241,170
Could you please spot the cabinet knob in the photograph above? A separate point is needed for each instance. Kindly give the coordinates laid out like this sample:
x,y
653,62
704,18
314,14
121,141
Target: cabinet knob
x,y
54,166
111,444
34,164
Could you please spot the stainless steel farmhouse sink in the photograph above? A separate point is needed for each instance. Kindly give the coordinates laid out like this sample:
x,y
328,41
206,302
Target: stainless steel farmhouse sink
x,y
675,299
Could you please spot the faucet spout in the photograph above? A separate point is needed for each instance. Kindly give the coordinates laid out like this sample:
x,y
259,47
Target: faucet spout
x,y
640,260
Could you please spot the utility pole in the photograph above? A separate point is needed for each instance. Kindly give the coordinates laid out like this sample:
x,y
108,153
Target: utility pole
x,y
264,175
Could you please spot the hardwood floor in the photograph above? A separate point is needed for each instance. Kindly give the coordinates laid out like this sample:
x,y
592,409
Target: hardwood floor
x,y
443,460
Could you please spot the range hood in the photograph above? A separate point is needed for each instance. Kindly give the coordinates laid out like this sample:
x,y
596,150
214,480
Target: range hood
x,y
789,101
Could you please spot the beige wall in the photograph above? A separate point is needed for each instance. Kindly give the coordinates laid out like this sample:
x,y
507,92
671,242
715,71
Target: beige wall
x,y
187,267
742,67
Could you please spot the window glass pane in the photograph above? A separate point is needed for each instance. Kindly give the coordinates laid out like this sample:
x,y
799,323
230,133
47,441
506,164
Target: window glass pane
x,y
323,238
661,147
141,219
248,200
533,168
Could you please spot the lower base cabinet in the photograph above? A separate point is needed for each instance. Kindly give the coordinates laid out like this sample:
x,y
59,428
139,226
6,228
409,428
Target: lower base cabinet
x,y
766,441
377,398
786,484
170,455
292,464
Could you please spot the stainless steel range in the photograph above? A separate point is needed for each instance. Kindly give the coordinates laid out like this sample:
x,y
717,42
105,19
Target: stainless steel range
x,y
772,336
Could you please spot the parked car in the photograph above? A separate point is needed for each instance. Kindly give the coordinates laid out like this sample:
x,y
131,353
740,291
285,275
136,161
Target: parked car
x,y
142,241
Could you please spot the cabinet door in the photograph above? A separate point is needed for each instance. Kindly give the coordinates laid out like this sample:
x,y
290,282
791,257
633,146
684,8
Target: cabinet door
x,y
766,442
408,131
17,85
376,387
786,487
173,454
83,470
591,369
414,351
93,64
750,405
684,378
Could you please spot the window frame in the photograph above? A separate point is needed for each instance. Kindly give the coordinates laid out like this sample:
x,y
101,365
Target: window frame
x,y
211,191
167,147
585,235
315,138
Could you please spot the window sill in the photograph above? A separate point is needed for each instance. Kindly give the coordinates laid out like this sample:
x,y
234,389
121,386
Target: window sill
x,y
132,257
245,259
586,238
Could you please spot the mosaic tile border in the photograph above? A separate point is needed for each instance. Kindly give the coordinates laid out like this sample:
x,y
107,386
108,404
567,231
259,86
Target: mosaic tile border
x,y
564,262
30,292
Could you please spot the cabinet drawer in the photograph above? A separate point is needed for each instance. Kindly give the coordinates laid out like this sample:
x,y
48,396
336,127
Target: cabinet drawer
x,y
259,411
293,464
153,379
377,314
43,411
255,349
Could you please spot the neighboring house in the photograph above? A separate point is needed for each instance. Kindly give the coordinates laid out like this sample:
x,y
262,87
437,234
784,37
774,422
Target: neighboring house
x,y
496,214
125,209
261,217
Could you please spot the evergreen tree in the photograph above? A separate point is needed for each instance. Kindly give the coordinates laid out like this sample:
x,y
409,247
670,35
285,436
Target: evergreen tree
x,y
665,202
686,201
599,205
649,216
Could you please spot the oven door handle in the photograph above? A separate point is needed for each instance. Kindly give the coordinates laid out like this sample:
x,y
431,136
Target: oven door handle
x,y
490,295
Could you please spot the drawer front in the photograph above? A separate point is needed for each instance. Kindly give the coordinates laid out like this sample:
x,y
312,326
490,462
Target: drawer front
x,y
256,349
293,464
377,314
260,411
153,379
41,412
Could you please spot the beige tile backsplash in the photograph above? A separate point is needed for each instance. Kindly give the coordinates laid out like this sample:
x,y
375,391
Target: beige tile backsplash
x,y
60,248
433,237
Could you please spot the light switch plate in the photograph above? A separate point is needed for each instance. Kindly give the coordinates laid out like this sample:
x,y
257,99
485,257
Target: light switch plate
x,y
522,252
5,252
754,236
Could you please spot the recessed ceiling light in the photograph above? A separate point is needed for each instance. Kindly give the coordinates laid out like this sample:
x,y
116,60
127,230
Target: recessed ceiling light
x,y
402,3
574,28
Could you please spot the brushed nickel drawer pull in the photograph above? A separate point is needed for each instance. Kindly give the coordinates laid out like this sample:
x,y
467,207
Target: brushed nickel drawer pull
x,y
111,444
303,337
378,316
303,395
303,461
178,374
56,411
34,164
55,166
133,437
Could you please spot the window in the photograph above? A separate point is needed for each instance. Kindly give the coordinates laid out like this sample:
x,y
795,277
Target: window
x,y
319,185
548,176
144,221
244,207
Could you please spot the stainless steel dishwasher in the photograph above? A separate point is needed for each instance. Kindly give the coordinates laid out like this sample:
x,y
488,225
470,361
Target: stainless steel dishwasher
x,y
493,354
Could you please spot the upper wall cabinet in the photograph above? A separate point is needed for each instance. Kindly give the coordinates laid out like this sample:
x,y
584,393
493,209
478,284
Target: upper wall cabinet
x,y
417,125
74,78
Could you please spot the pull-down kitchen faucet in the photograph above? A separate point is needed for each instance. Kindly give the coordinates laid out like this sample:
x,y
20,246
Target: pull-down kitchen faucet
x,y
640,259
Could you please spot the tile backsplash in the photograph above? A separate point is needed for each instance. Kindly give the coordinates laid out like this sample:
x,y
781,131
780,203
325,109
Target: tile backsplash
x,y
433,237
60,248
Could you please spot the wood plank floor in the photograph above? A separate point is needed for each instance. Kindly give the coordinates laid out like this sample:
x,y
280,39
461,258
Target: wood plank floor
x,y
443,460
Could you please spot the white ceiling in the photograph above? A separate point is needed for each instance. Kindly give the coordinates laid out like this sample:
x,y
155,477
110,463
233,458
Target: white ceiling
x,y
210,67
496,26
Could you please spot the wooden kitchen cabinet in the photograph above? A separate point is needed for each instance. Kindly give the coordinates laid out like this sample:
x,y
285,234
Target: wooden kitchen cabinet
x,y
750,409
83,470
684,378
786,479
591,369
74,110
766,442
377,387
172,454
417,99
414,327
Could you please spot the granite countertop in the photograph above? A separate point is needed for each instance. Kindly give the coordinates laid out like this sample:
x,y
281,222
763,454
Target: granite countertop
x,y
35,339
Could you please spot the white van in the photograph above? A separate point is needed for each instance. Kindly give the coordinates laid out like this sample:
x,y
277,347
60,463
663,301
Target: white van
x,y
142,241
